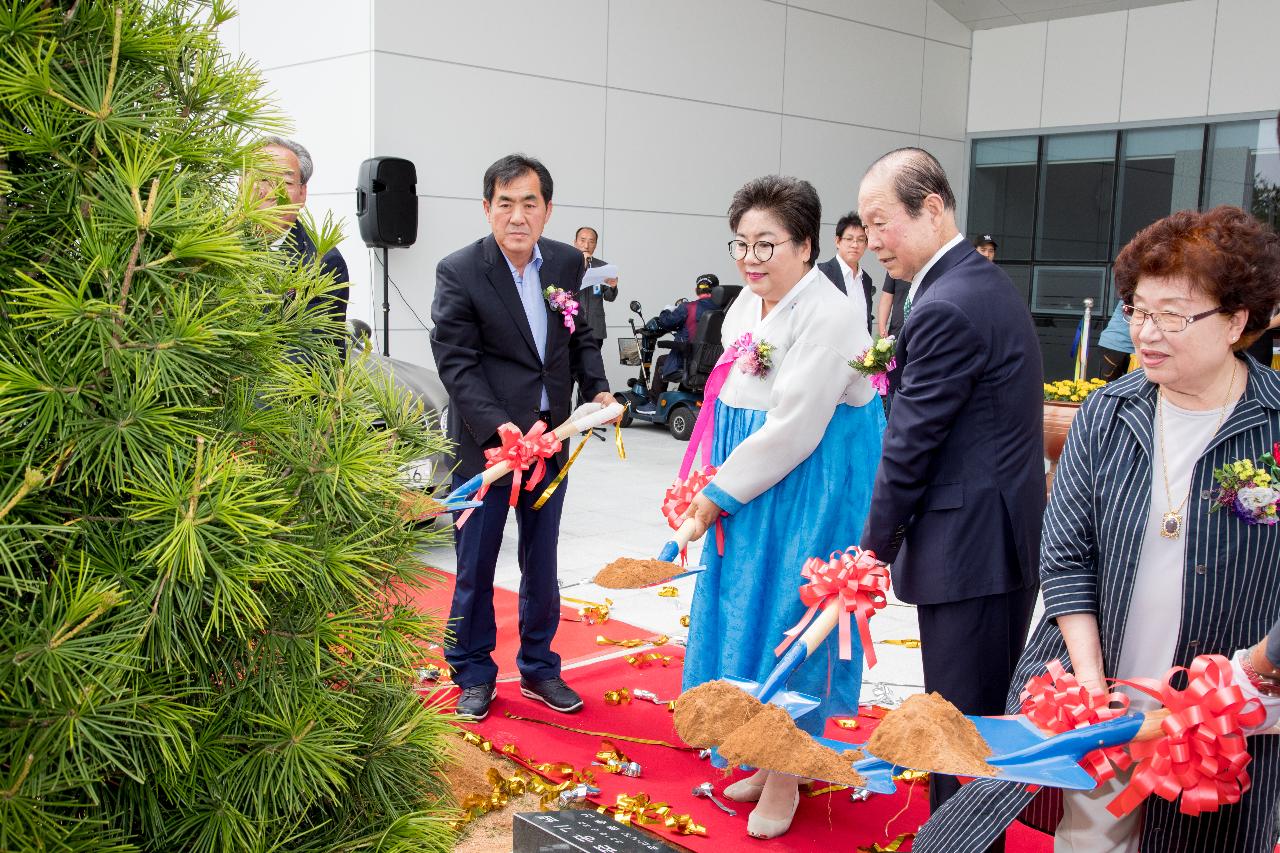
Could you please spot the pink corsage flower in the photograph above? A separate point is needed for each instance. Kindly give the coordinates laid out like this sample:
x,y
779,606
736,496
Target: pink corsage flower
x,y
755,358
563,303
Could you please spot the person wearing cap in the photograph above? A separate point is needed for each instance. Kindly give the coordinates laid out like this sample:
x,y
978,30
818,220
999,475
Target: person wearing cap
x,y
681,318
845,270
986,247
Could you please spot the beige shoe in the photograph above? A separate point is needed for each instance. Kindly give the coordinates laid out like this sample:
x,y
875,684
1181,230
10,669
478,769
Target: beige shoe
x,y
744,790
759,826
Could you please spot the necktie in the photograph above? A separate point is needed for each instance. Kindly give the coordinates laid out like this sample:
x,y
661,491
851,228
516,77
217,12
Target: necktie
x,y
906,309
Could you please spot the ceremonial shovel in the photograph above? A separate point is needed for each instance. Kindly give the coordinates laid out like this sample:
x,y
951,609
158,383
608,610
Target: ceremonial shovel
x,y
586,417
1022,752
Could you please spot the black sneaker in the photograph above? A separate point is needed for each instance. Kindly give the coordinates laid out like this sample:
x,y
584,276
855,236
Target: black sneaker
x,y
557,695
473,704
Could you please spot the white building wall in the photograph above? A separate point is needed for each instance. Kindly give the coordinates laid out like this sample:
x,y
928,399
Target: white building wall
x,y
1194,60
649,114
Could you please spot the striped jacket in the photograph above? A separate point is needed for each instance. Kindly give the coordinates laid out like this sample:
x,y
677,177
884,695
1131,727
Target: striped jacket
x,y
1089,555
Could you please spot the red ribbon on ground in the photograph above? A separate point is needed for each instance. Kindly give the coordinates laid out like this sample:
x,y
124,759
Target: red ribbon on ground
x,y
1058,702
1202,753
678,498
522,452
858,581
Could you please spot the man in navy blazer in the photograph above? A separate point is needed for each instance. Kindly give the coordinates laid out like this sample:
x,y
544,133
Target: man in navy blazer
x,y
507,357
960,494
843,269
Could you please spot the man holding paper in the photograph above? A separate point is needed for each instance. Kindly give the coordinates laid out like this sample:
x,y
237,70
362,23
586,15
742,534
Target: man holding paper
x,y
596,289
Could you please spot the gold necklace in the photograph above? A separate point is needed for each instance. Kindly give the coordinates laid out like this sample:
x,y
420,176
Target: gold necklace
x,y
1171,521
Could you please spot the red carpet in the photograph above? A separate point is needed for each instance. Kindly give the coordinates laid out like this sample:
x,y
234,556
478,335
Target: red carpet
x,y
575,640
823,823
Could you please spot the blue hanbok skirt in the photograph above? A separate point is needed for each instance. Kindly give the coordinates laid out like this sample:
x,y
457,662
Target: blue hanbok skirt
x,y
747,599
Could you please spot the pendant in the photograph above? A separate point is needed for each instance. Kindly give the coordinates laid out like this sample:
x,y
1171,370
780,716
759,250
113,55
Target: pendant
x,y
1170,525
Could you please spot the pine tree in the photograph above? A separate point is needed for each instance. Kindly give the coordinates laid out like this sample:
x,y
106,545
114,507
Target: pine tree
x,y
201,643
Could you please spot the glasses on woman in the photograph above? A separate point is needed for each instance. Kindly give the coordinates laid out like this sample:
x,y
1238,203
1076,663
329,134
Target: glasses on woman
x,y
762,249
1166,321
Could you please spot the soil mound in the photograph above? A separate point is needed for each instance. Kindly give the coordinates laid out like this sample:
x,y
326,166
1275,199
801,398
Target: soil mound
x,y
709,713
630,573
929,733
771,740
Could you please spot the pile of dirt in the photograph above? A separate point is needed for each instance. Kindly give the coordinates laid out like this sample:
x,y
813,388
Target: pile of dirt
x,y
466,773
929,733
771,741
630,573
707,714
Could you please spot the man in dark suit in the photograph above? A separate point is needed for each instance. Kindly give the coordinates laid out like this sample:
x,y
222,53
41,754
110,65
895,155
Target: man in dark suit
x,y
286,187
844,270
507,358
959,496
592,299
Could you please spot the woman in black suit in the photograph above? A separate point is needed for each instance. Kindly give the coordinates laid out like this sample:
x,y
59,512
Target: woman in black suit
x,y
1138,575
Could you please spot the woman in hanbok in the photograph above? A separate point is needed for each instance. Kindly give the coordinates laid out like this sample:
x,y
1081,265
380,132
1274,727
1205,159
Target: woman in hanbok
x,y
796,442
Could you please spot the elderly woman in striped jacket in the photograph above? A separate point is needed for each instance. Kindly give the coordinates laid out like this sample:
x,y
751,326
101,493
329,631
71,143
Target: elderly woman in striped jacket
x,y
1138,574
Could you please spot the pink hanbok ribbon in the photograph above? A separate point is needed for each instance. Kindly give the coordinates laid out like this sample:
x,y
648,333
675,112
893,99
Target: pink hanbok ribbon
x,y
700,441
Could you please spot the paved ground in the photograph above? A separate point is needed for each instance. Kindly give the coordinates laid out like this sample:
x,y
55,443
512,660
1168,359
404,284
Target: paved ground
x,y
612,510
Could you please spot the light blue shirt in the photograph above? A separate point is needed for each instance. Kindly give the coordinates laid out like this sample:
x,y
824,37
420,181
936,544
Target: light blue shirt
x,y
1116,334
529,285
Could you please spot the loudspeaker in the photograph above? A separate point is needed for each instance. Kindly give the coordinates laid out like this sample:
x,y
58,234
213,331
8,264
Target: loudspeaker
x,y
387,202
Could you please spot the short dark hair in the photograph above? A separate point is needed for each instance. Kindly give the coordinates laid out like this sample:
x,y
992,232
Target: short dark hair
x,y
792,200
1225,252
507,169
849,219
594,232
917,174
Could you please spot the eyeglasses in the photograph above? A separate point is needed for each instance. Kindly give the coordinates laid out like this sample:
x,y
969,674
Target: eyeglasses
x,y
762,249
1166,321
855,240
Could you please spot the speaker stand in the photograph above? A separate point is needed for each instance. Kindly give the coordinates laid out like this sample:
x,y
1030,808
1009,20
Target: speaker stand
x,y
386,306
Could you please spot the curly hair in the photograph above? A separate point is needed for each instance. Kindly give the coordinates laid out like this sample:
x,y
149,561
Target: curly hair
x,y
1224,251
792,201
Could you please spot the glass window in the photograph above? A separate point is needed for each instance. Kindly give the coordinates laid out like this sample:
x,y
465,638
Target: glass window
x,y
1076,189
1159,174
1243,168
1064,289
1002,193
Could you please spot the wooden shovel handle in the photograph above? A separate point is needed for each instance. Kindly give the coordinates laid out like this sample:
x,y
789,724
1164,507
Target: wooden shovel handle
x,y
1151,723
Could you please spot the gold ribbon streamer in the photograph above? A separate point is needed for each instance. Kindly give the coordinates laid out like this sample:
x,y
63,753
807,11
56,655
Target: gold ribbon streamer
x,y
912,776
609,752
617,437
892,847
564,472
847,723
627,739
475,740
684,621
639,810
830,789
911,643
660,640
592,612
669,592
641,661
617,697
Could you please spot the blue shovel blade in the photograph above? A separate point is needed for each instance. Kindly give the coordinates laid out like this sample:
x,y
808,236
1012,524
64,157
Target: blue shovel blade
x,y
1009,736
466,490
459,506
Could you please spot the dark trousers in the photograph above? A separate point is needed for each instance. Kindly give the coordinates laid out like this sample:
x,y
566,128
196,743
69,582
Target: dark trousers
x,y
970,649
471,617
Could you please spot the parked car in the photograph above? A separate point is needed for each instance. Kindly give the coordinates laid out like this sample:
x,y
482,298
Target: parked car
x,y
431,473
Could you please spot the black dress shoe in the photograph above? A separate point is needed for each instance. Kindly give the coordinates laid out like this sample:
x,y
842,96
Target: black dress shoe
x,y
554,693
473,704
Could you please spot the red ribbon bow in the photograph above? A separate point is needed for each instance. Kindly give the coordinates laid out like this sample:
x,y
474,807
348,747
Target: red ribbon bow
x,y
859,582
1059,703
680,496
1202,753
521,452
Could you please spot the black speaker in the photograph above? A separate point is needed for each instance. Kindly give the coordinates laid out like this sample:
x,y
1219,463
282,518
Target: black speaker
x,y
387,202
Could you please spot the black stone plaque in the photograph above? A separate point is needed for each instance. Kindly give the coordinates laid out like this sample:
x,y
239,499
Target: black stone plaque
x,y
580,831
